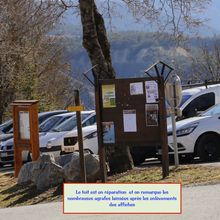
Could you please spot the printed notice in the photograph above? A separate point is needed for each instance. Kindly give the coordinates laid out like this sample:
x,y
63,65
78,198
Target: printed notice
x,y
108,132
151,91
136,88
24,125
108,96
151,114
122,198
130,120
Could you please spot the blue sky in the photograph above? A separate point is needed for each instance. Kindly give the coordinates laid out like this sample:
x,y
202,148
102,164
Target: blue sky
x,y
212,26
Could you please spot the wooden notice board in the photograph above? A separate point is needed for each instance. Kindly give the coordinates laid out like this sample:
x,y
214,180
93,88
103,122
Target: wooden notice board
x,y
26,134
130,111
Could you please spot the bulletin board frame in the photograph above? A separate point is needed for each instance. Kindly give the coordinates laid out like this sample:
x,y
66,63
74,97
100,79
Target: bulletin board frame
x,y
127,112
26,133
118,100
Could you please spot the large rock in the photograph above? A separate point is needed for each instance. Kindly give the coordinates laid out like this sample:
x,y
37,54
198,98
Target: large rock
x,y
64,159
72,169
43,173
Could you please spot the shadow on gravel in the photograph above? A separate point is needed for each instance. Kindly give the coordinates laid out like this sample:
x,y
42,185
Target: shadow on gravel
x,y
28,194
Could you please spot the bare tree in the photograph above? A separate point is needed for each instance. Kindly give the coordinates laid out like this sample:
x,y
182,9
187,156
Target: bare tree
x,y
172,15
30,58
206,64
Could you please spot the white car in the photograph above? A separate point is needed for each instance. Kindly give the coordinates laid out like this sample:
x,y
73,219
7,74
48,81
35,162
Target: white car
x,y
90,142
198,136
197,99
52,141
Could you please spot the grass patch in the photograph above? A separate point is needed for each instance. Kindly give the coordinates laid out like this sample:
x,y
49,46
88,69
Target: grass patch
x,y
187,174
13,195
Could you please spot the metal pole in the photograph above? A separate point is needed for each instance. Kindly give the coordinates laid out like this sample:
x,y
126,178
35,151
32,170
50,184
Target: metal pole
x,y
80,138
163,128
176,157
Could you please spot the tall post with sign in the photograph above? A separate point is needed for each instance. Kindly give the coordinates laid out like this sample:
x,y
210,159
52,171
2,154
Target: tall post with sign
x,y
26,134
174,96
78,108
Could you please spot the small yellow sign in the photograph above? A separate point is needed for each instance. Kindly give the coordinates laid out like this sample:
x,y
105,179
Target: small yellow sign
x,y
75,108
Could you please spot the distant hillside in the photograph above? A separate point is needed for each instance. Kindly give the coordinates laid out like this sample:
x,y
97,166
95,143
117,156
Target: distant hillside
x,y
132,52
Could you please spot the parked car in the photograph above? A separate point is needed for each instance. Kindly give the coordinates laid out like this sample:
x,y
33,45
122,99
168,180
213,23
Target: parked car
x,y
46,123
198,99
90,142
52,141
7,127
194,101
198,136
54,121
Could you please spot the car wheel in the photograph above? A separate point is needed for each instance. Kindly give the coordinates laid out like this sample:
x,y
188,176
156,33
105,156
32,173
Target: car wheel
x,y
137,158
186,158
208,147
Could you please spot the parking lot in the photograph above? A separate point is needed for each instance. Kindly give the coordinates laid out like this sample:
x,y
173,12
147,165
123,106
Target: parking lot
x,y
148,163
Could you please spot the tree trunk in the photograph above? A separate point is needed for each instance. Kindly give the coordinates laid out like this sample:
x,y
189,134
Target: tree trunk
x,y
96,43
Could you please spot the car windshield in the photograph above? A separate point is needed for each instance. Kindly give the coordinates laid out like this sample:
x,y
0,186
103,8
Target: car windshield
x,y
52,122
212,111
6,127
185,97
46,126
69,124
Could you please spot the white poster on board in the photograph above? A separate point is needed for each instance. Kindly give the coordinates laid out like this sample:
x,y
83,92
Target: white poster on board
x,y
130,120
24,125
151,91
136,88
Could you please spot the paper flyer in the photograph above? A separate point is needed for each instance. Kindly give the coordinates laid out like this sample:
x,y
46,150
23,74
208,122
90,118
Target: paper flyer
x,y
108,132
24,125
108,96
130,120
136,88
151,91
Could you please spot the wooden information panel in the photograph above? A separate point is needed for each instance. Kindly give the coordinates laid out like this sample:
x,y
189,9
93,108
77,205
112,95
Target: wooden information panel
x,y
130,111
26,134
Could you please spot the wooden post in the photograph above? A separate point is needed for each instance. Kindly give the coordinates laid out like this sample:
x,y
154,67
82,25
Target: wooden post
x,y
163,128
80,138
34,132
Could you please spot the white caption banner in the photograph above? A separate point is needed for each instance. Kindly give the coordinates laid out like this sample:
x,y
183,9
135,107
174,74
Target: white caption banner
x,y
122,198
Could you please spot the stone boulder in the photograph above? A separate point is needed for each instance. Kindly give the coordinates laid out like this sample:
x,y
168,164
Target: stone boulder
x,y
64,159
43,173
72,169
